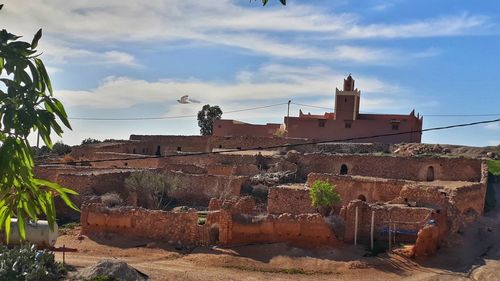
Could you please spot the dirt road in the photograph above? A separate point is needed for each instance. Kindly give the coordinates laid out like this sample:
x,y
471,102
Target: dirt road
x,y
472,255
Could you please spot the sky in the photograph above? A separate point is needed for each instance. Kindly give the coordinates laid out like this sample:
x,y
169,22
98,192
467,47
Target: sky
x,y
132,59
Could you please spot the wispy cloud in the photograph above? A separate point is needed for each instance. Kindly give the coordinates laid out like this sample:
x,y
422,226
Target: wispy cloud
x,y
272,83
223,22
493,126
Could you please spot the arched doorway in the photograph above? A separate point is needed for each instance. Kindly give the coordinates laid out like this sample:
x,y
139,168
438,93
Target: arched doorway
x,y
430,173
362,197
343,169
158,151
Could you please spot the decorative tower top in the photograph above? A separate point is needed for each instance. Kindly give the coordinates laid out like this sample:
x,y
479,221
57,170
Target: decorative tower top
x,y
349,83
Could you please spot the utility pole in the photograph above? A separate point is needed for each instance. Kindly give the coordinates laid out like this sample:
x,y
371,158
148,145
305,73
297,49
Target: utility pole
x,y
288,116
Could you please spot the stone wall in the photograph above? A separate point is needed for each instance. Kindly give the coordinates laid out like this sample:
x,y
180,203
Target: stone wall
x,y
141,223
307,230
356,187
291,200
199,189
391,167
407,221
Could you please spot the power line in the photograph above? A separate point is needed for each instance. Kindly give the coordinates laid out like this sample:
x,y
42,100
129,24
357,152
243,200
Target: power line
x,y
284,145
168,117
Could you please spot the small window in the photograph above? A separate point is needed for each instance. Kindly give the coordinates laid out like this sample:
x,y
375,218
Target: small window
x,y
345,100
220,145
343,169
395,126
321,123
347,125
179,148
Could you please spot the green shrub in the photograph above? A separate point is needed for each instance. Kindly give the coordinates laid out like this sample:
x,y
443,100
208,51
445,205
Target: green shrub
x,y
494,167
323,194
27,263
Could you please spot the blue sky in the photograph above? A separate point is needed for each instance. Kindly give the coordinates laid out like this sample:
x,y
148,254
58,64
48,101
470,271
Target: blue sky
x,y
122,59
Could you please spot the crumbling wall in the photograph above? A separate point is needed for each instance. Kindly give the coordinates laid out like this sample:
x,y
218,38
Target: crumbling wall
x,y
391,167
233,205
407,220
199,189
142,223
292,200
123,160
308,230
356,187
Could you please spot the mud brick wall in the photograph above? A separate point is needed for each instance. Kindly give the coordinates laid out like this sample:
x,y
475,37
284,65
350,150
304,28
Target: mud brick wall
x,y
234,205
140,223
407,219
356,187
408,168
139,163
283,199
308,230
199,189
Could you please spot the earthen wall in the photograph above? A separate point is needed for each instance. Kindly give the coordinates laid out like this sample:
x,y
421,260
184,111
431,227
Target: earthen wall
x,y
141,223
408,168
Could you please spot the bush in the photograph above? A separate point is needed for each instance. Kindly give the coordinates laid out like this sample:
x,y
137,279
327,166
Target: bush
x,y
323,195
61,149
90,141
157,186
111,200
27,263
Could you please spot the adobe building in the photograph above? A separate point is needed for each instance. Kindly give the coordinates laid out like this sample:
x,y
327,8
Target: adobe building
x,y
344,124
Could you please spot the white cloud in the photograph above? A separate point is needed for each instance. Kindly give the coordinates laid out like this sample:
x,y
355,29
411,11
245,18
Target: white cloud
x,y
270,84
116,57
223,22
493,126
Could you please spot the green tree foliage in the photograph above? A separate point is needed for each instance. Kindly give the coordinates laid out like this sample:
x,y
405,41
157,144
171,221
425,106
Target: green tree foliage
x,y
206,117
155,185
90,141
61,149
264,2
323,194
26,105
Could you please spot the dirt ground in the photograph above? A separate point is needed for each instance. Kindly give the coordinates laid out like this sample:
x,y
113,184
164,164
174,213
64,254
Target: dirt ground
x,y
472,255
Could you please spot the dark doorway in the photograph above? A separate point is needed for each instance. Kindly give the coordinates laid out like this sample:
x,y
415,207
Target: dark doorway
x,y
430,173
158,151
343,169
362,197
214,234
133,151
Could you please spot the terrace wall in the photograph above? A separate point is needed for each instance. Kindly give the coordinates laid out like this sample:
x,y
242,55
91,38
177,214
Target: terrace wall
x,y
141,223
307,230
390,167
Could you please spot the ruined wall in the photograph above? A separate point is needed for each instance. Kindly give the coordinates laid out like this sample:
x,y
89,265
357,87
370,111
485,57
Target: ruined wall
x,y
233,205
141,223
308,230
408,220
357,187
199,189
408,168
95,183
283,199
123,160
